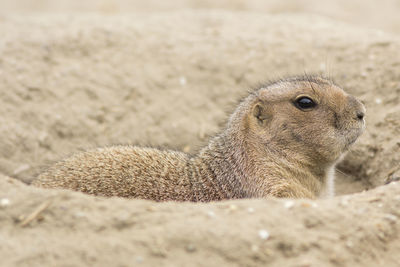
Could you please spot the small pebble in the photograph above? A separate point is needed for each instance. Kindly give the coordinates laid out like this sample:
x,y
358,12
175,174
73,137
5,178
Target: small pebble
x,y
80,214
182,80
263,234
4,202
305,204
382,236
151,208
349,244
268,252
139,259
233,207
211,214
21,168
255,248
378,101
190,248
390,217
309,204
250,210
289,204
344,201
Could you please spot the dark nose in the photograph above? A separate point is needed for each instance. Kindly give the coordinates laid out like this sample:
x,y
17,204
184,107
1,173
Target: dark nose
x,y
360,115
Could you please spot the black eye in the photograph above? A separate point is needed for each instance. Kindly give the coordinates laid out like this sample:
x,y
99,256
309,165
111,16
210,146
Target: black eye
x,y
305,103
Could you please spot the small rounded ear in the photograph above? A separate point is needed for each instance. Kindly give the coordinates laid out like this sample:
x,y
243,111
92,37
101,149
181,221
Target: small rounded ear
x,y
262,113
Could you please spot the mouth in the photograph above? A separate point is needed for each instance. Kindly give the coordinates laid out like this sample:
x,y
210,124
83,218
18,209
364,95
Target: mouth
x,y
352,135
351,141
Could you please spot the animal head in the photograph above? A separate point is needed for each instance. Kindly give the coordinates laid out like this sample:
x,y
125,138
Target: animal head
x,y
305,114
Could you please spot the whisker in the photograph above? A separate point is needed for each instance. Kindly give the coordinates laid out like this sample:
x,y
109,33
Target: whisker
x,y
344,174
309,81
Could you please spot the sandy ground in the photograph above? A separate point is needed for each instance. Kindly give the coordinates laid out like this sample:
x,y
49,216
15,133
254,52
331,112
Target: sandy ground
x,y
78,230
73,77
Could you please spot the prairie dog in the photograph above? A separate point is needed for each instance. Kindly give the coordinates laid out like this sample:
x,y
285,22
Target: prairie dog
x,y
282,140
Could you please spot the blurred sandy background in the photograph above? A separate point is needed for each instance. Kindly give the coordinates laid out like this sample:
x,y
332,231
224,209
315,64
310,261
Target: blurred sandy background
x,y
80,74
373,14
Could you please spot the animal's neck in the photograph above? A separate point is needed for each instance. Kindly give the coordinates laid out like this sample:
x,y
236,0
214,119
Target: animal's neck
x,y
283,163
242,169
225,169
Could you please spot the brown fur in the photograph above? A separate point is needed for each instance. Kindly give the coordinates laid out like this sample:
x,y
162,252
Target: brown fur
x,y
268,148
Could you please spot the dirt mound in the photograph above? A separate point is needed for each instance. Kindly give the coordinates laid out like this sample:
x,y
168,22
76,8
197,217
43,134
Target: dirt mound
x,y
59,228
79,81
